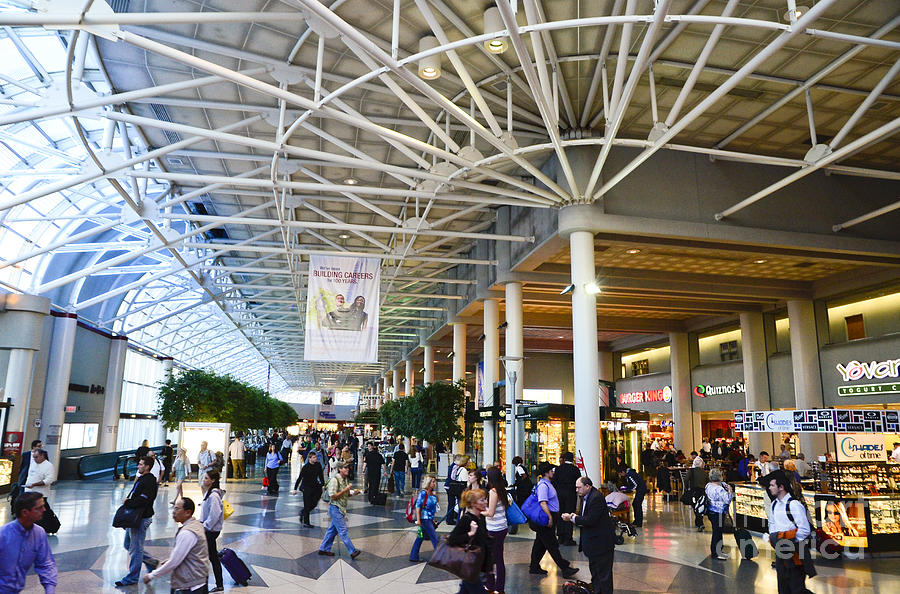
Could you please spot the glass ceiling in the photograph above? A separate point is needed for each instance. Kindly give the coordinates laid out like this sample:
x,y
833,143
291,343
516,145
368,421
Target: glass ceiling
x,y
67,232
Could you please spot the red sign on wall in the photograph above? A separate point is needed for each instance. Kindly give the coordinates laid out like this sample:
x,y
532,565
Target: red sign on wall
x,y
12,443
658,395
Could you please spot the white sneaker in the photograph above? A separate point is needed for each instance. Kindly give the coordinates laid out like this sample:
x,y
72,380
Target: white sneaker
x,y
722,558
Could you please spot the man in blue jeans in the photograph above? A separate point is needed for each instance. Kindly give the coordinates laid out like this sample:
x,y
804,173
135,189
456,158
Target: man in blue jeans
x,y
339,491
142,496
400,464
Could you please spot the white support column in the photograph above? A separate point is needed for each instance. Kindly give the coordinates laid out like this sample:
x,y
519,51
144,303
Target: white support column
x,y
585,353
168,368
687,423
428,360
491,374
112,405
56,391
756,376
21,329
410,377
396,383
515,353
459,373
807,370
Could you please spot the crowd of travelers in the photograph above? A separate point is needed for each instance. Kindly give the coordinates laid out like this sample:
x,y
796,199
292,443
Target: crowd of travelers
x,y
482,508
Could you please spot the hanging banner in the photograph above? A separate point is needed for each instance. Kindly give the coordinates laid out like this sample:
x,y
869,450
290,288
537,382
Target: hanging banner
x,y
342,309
326,404
820,420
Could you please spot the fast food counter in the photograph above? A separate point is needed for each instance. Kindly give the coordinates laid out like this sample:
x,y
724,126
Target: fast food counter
x,y
871,522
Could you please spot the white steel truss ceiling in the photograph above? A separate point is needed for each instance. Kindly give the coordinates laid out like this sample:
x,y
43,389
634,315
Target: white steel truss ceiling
x,y
169,165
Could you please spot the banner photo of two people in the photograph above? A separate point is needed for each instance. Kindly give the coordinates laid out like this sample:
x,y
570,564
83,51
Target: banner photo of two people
x,y
342,309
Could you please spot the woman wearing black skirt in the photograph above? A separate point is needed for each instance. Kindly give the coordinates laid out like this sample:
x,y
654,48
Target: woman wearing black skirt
x,y
311,481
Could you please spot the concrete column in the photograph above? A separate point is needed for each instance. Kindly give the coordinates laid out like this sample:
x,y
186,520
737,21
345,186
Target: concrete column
x,y
56,392
410,377
168,365
756,375
605,372
396,383
21,327
687,423
491,373
459,374
429,365
807,370
112,405
585,352
515,353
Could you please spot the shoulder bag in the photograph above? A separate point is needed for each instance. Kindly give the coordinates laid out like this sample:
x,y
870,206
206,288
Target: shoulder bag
x,y
514,515
128,517
463,562
532,509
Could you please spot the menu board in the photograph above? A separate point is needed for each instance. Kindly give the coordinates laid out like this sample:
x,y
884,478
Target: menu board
x,y
827,420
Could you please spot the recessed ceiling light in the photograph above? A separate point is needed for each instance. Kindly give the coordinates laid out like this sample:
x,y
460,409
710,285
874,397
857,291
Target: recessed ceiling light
x,y
351,181
760,261
633,251
344,236
798,12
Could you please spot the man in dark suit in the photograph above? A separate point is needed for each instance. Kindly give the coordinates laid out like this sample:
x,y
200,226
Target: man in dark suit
x,y
564,481
597,540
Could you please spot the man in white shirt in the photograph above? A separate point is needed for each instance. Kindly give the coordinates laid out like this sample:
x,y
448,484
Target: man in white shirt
x,y
40,474
764,465
236,453
189,560
801,465
158,468
205,461
707,447
895,456
789,531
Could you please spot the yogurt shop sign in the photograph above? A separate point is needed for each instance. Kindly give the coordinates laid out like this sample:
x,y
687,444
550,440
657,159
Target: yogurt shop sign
x,y
874,370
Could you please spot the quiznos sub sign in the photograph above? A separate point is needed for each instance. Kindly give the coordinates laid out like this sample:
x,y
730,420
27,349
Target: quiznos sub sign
x,y
873,370
703,391
862,447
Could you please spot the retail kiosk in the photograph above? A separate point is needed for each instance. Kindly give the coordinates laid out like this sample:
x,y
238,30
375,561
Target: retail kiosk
x,y
855,499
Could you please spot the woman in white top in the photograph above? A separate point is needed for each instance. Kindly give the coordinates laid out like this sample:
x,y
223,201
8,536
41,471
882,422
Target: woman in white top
x,y
719,496
296,461
415,465
497,527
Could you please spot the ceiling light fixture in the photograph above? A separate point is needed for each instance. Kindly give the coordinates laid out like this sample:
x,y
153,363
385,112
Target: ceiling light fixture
x,y
503,325
451,354
429,66
493,23
351,181
792,15
633,251
760,261
481,338
568,289
593,288
344,236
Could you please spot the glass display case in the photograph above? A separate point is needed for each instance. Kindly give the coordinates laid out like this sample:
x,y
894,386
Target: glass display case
x,y
865,522
859,478
6,470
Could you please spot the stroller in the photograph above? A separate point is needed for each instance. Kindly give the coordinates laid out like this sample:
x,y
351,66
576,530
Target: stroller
x,y
621,515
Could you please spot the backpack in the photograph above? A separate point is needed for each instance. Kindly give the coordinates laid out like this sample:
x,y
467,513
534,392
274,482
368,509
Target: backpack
x,y
325,496
411,509
450,472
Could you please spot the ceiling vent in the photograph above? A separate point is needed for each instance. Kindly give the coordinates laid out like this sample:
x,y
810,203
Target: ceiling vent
x,y
162,114
120,5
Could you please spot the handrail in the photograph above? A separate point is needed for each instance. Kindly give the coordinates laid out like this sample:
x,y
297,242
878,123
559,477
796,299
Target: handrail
x,y
94,466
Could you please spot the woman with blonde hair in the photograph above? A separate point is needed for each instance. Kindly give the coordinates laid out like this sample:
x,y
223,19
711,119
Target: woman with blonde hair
x,y
471,528
425,510
182,468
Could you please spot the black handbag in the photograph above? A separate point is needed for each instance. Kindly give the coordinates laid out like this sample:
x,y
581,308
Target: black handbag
x,y
463,562
128,517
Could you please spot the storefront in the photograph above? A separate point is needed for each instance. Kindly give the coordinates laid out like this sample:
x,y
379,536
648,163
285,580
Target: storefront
x,y
622,434
717,391
651,393
549,431
475,419
853,500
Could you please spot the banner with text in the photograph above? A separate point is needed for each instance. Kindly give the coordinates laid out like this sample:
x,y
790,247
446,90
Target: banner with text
x,y
342,309
819,420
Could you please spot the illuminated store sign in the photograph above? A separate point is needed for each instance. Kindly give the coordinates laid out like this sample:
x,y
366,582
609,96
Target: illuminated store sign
x,y
820,420
658,395
873,370
861,447
704,391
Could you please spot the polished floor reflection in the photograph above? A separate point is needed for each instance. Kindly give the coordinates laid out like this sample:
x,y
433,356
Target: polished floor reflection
x,y
668,556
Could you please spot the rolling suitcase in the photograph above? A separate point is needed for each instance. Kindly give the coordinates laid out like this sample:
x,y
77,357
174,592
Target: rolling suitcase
x,y
237,569
379,498
745,543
